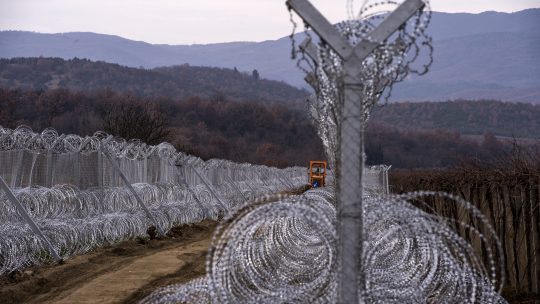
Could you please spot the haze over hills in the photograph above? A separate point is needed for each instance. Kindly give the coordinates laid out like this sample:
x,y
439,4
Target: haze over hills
x,y
488,55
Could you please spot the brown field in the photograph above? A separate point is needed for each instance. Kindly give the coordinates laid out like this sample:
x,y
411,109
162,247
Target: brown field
x,y
508,194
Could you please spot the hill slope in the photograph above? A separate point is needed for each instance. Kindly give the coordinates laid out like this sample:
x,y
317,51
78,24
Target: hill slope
x,y
179,82
506,45
399,134
504,66
214,84
464,117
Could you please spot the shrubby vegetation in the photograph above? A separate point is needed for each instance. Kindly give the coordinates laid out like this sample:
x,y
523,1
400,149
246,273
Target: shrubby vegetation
x,y
272,134
83,75
506,189
465,117
223,113
414,148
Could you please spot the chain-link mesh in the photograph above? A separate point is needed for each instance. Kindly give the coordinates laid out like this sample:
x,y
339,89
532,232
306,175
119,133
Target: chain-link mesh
x,y
299,249
325,246
73,192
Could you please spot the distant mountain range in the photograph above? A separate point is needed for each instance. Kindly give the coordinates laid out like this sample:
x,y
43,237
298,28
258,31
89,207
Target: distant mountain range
x,y
488,55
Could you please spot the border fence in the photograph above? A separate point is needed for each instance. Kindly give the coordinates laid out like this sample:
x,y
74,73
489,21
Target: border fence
x,y
510,201
66,194
80,193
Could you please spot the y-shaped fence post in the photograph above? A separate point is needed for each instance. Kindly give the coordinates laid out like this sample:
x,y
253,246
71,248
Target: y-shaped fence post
x,y
128,184
350,165
22,211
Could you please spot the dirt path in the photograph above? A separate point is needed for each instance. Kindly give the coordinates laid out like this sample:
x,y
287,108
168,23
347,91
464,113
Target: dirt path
x,y
124,273
116,286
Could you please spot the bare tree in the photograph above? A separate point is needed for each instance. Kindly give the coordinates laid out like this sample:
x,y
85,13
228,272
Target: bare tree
x,y
143,121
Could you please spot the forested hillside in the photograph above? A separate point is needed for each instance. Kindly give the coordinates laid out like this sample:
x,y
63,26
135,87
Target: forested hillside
x,y
520,120
489,55
176,82
215,84
272,134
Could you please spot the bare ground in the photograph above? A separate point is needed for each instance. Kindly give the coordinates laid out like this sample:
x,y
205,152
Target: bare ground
x,y
123,273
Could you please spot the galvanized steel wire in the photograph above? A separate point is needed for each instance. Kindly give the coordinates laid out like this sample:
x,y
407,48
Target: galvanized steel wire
x,y
79,202
283,250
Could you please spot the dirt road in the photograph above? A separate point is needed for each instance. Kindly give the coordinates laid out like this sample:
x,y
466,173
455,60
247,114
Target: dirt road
x,y
123,273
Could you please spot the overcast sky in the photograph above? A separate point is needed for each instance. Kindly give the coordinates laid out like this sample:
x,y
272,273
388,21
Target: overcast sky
x,y
192,21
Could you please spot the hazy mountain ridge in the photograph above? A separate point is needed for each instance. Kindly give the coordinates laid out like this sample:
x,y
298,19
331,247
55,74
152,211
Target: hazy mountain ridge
x,y
451,25
476,56
503,66
183,81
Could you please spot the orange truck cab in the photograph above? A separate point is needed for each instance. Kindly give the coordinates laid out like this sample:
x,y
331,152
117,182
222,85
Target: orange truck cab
x,y
317,173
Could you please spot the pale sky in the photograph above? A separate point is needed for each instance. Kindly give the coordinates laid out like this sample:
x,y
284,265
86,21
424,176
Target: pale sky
x,y
192,21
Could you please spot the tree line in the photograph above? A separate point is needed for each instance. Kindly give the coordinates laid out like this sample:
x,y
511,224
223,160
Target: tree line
x,y
465,117
271,134
175,82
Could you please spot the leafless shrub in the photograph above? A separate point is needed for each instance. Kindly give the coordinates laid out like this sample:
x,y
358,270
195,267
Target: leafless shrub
x,y
136,120
507,191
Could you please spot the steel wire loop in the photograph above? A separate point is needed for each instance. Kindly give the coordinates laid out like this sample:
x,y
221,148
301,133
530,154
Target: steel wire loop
x,y
283,250
79,201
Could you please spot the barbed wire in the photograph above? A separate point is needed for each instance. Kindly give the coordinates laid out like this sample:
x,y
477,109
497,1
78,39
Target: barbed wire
x,y
283,250
78,215
392,61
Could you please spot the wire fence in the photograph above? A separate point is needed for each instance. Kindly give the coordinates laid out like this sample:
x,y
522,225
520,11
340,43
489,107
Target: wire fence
x,y
348,243
73,189
69,195
510,199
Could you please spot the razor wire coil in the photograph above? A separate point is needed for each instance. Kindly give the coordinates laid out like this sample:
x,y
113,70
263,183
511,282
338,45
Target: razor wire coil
x,y
80,203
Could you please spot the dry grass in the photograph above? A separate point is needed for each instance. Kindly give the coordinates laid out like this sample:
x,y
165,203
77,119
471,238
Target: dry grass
x,y
507,192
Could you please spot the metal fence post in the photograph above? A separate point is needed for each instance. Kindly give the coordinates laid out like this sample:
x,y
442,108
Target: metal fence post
x,y
350,191
130,187
77,169
205,182
350,163
231,181
386,172
17,172
184,181
246,181
22,211
99,169
50,169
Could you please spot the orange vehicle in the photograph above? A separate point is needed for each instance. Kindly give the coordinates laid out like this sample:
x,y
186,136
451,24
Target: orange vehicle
x,y
317,173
